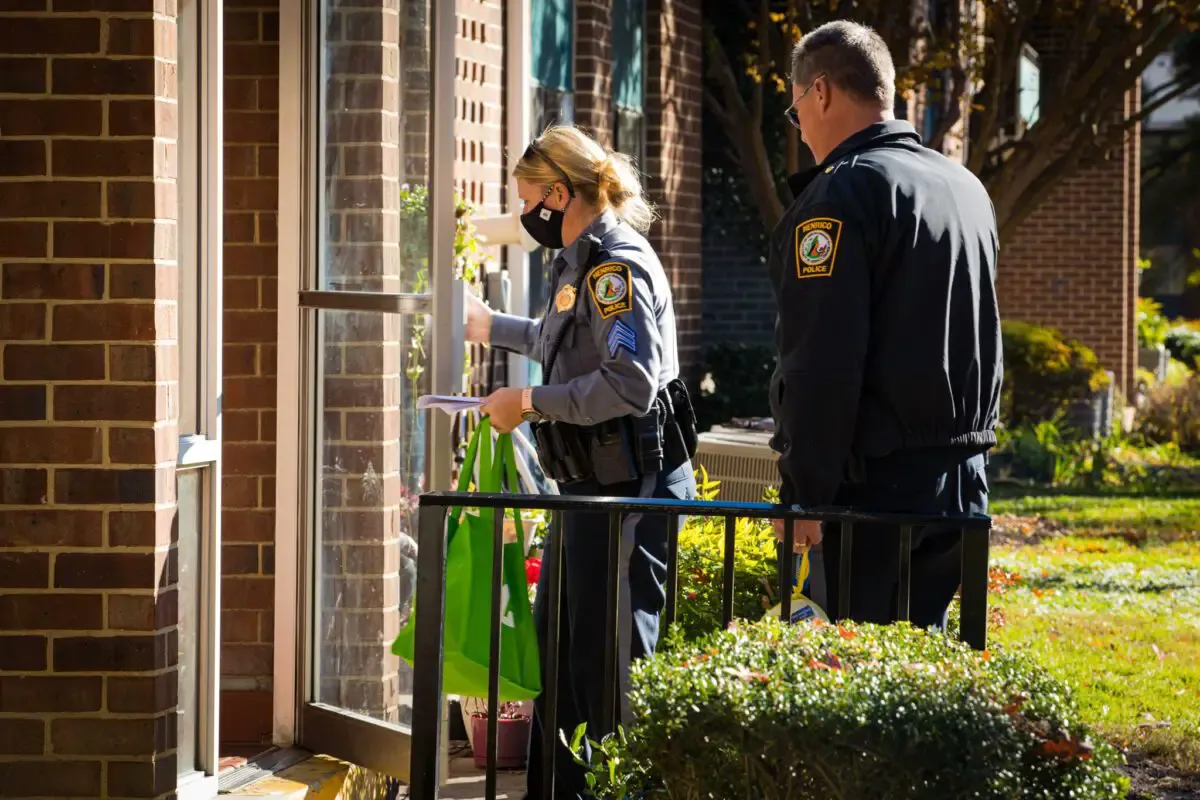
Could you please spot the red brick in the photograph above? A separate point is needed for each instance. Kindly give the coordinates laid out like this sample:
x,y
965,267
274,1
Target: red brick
x,y
126,240
101,76
51,117
61,199
250,459
22,321
116,737
140,36
24,737
140,528
239,492
248,660
24,653
239,560
24,570
54,362
141,199
142,694
57,445
134,403
21,693
247,592
111,653
22,75
133,362
22,158
105,570
50,528
22,403
240,427
37,35
240,626
65,779
23,487
118,158
154,778
22,239
143,445
243,525
143,117
251,127
143,612
52,281
41,612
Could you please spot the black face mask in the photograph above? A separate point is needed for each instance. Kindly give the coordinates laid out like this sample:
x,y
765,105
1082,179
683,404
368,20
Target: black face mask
x,y
545,225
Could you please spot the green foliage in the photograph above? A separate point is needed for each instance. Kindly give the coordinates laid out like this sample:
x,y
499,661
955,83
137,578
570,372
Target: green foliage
x,y
740,375
1044,373
1183,343
702,570
1152,326
819,711
1171,411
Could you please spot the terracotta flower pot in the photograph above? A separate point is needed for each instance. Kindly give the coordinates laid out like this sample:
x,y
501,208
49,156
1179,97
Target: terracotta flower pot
x,y
512,742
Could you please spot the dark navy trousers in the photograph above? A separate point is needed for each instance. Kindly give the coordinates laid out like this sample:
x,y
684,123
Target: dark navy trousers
x,y
942,481
583,610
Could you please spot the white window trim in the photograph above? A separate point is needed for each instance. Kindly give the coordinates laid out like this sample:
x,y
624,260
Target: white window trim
x,y
199,347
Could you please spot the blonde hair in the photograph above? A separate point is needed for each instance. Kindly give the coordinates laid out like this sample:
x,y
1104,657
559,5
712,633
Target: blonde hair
x,y
601,177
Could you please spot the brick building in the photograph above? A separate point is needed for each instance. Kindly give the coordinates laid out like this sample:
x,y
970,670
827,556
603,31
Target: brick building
x,y
216,248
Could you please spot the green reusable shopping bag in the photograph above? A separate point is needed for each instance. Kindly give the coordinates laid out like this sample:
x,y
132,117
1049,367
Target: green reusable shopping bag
x,y
469,588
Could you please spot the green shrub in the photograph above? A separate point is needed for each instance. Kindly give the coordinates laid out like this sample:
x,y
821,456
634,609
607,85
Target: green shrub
x,y
1171,411
1183,343
702,568
1044,374
1152,326
736,384
819,711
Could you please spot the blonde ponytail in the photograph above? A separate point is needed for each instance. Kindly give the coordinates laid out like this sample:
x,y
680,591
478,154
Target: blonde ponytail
x,y
603,178
621,189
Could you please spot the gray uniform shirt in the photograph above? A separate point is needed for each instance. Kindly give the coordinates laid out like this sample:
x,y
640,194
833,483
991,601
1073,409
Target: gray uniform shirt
x,y
621,348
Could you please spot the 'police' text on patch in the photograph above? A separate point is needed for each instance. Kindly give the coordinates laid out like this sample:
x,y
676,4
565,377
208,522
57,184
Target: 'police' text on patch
x,y
816,247
610,287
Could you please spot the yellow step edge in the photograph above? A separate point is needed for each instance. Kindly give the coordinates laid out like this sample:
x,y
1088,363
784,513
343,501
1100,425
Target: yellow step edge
x,y
316,778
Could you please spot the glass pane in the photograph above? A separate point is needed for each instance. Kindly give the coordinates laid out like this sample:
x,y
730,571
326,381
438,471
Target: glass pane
x,y
189,487
371,469
628,21
552,27
375,146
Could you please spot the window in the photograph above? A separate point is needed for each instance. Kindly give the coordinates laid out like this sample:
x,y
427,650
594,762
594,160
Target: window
x,y
366,188
552,28
629,85
198,473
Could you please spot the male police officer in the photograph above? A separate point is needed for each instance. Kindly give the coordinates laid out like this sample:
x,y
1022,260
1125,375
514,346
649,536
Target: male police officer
x,y
887,389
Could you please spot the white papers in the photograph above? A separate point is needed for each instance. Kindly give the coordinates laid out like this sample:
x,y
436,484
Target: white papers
x,y
451,404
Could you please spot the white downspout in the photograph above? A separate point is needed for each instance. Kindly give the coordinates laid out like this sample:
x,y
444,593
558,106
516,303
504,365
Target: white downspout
x,y
518,71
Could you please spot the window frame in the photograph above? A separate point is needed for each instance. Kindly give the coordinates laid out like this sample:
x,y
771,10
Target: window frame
x,y
199,220
298,718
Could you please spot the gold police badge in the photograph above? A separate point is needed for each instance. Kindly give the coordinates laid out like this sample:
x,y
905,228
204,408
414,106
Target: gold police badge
x,y
565,299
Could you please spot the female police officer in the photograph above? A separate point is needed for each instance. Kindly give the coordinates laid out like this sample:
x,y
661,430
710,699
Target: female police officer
x,y
604,420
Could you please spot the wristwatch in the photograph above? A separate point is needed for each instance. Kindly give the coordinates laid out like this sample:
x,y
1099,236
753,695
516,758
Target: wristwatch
x,y
528,412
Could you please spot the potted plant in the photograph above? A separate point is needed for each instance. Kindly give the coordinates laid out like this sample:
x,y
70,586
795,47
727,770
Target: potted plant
x,y
512,736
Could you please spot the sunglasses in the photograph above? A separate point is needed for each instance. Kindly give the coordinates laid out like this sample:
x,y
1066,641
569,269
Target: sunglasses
x,y
792,116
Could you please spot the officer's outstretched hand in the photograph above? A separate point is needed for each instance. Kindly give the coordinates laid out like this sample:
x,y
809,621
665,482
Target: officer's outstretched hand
x,y
503,406
808,534
479,317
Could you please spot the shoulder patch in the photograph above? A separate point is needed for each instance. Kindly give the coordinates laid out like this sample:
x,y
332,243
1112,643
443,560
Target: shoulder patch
x,y
816,246
610,287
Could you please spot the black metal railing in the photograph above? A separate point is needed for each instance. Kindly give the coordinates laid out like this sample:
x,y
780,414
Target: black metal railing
x,y
431,585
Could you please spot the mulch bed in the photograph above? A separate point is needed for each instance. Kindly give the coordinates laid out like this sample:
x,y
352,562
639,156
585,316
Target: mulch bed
x,y
1153,781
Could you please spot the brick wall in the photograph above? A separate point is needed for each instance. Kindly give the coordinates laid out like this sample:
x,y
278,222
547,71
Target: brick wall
x,y
673,81
739,304
250,286
593,69
88,417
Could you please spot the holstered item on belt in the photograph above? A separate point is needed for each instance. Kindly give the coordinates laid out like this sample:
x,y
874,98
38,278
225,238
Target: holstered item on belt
x,y
680,435
648,437
562,451
613,453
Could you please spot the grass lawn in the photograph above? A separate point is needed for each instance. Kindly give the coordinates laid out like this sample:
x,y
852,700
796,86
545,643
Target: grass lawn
x,y
1117,616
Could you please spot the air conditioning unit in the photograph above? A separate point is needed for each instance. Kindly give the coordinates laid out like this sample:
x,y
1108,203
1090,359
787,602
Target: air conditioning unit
x,y
741,459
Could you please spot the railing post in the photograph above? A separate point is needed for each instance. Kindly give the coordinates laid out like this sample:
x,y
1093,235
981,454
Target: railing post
x,y
787,569
904,587
494,622
846,546
672,587
973,619
612,629
429,653
552,561
730,564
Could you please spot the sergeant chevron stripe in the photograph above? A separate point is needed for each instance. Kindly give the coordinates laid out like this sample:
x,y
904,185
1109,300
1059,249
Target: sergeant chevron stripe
x,y
620,335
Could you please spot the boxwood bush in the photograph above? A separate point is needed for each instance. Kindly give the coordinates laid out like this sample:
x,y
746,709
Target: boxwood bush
x,y
1045,374
821,711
